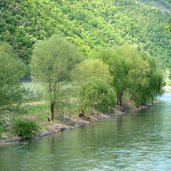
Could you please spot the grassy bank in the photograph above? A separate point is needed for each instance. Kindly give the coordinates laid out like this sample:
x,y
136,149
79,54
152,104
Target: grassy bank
x,y
32,121
32,118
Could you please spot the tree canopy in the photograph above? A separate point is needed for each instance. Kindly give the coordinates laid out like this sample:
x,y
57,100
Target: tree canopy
x,y
12,71
52,63
133,72
94,80
89,25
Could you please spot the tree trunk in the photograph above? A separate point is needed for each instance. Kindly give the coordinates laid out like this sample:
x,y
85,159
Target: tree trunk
x,y
117,102
119,98
152,101
52,108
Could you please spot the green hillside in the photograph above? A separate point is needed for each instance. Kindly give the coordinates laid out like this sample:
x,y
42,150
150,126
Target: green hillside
x,y
88,24
161,4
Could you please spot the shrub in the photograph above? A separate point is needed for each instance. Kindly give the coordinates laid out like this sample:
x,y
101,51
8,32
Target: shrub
x,y
25,128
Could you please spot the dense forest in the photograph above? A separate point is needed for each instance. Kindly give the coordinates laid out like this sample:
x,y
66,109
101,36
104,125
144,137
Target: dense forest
x,y
90,25
161,4
84,57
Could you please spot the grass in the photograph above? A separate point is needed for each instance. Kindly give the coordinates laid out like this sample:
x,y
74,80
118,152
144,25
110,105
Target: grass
x,y
36,110
169,83
40,111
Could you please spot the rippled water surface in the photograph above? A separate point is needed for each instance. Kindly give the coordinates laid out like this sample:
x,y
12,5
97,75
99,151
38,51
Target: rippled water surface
x,y
134,142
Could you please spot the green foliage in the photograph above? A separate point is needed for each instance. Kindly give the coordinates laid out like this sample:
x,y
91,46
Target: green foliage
x,y
25,128
68,102
34,91
133,72
89,25
167,25
161,4
52,63
120,62
1,128
91,68
98,94
169,83
149,79
53,60
94,79
40,110
12,71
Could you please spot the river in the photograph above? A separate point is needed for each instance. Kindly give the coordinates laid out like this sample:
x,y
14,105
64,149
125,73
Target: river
x,y
134,142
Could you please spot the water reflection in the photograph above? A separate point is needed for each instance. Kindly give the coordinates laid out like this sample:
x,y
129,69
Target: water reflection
x,y
138,141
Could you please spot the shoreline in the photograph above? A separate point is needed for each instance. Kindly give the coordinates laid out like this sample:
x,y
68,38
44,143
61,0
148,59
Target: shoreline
x,y
72,122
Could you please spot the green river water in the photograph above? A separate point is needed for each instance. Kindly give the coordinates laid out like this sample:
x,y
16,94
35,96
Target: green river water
x,y
135,142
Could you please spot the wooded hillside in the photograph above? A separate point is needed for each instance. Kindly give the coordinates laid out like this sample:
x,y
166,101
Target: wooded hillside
x,y
88,24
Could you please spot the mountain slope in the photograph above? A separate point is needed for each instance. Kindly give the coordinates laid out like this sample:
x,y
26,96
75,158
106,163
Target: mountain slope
x,y
88,24
163,5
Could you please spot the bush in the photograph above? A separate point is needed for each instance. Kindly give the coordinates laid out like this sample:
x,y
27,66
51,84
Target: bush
x,y
25,128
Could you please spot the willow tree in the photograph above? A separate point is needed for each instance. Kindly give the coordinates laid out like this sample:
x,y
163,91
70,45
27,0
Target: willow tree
x,y
12,71
145,79
95,85
120,62
155,77
91,68
139,81
52,62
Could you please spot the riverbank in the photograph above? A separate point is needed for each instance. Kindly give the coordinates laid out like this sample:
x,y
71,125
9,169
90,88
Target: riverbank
x,y
136,141
71,122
